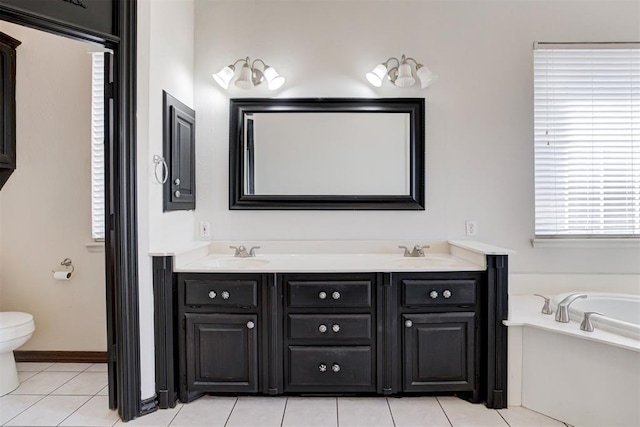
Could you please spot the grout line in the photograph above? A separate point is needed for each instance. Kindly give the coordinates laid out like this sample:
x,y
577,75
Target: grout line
x,y
337,414
391,412
76,410
174,417
501,416
231,412
21,412
284,411
445,412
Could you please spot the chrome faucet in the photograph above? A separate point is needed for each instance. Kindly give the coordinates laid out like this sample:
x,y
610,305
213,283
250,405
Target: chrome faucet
x,y
562,312
417,251
241,251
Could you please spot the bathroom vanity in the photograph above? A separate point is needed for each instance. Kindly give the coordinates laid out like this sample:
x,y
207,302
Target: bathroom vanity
x,y
347,323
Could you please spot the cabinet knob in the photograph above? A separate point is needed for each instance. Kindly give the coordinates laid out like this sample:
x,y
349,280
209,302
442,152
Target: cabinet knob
x,y
322,328
322,367
225,295
335,367
433,294
250,324
322,295
335,295
335,328
446,293
408,323
177,181
177,193
212,294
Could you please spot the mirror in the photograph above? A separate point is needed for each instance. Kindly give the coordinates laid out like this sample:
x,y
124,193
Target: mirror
x,y
327,154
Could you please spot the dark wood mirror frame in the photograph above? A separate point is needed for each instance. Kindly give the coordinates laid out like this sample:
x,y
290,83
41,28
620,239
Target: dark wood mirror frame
x,y
415,200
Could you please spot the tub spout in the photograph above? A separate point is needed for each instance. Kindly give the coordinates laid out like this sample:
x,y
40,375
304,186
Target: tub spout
x,y
562,312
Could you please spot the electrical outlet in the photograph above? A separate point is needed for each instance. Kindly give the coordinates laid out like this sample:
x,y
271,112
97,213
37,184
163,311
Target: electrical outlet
x,y
204,230
471,227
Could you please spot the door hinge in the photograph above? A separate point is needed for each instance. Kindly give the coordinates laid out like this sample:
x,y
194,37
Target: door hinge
x,y
112,222
109,89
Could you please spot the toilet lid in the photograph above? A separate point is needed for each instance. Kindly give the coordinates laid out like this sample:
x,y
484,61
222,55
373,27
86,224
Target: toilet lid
x,y
15,325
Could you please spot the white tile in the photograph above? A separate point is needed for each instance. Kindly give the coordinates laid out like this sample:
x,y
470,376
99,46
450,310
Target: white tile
x,y
49,411
361,412
32,366
159,418
13,404
84,384
25,375
417,411
44,382
94,413
518,416
68,367
206,411
257,411
97,367
103,392
462,413
311,411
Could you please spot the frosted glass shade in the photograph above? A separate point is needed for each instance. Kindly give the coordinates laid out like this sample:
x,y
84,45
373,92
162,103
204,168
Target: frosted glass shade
x,y
376,75
405,79
224,76
245,80
425,76
274,80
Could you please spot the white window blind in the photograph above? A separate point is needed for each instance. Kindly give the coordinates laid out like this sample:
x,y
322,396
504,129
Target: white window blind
x,y
587,142
97,148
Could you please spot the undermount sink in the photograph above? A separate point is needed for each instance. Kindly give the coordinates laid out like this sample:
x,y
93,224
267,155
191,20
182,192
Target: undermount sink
x,y
427,260
233,262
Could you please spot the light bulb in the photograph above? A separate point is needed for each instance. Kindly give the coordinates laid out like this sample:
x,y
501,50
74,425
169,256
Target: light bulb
x,y
224,76
376,75
274,80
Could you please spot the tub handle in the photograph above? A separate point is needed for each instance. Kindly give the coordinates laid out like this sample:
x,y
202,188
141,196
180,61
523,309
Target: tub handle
x,y
545,308
586,324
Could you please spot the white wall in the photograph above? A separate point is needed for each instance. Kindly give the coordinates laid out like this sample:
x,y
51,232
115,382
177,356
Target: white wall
x,y
479,113
46,204
165,62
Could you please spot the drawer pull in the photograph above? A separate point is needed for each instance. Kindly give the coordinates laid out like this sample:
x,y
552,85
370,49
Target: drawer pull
x,y
335,367
225,295
212,294
335,295
433,294
322,295
250,324
322,328
408,323
322,367
335,328
446,293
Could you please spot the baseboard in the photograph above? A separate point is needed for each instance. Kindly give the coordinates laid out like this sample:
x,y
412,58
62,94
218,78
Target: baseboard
x,y
61,356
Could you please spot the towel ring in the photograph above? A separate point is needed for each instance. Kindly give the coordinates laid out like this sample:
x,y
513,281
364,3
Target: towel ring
x,y
159,160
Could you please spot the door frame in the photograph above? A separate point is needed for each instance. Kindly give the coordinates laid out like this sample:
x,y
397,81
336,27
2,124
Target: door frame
x,y
121,250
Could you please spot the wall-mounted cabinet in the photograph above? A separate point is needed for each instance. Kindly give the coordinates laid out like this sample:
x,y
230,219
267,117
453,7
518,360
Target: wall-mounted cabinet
x,y
179,150
8,47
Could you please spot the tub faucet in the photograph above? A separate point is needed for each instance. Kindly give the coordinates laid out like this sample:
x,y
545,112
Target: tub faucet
x,y
562,312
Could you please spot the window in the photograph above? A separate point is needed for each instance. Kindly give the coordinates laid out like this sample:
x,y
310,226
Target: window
x,y
587,140
97,147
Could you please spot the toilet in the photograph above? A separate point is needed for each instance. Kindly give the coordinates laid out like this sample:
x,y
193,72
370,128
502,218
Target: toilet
x,y
15,329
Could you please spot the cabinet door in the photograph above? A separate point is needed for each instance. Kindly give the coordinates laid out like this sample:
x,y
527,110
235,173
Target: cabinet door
x,y
439,351
222,352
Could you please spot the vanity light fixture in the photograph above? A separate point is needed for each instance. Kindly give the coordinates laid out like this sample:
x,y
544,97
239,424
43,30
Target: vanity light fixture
x,y
250,75
403,74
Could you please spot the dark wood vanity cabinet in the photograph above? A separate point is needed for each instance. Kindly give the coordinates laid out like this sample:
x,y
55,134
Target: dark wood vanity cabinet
x,y
221,333
439,319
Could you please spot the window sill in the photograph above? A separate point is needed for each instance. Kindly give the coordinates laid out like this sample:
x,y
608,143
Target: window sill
x,y
95,246
596,243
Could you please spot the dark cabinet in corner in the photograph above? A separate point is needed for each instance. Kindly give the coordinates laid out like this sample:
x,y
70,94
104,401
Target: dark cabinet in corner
x,y
179,147
8,47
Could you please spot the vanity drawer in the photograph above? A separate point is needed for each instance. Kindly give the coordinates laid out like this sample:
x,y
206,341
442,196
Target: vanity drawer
x,y
332,328
330,293
438,292
330,366
223,293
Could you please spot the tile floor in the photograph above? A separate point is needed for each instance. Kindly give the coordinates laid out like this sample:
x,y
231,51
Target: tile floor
x,y
75,394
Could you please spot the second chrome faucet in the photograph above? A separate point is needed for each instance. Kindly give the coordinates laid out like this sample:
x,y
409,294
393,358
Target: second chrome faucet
x,y
562,312
241,251
418,251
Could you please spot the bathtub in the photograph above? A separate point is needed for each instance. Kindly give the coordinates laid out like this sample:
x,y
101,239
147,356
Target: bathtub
x,y
620,312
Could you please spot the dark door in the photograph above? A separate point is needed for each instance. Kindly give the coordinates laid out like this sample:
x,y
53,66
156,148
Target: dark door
x,y
439,351
222,352
7,106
